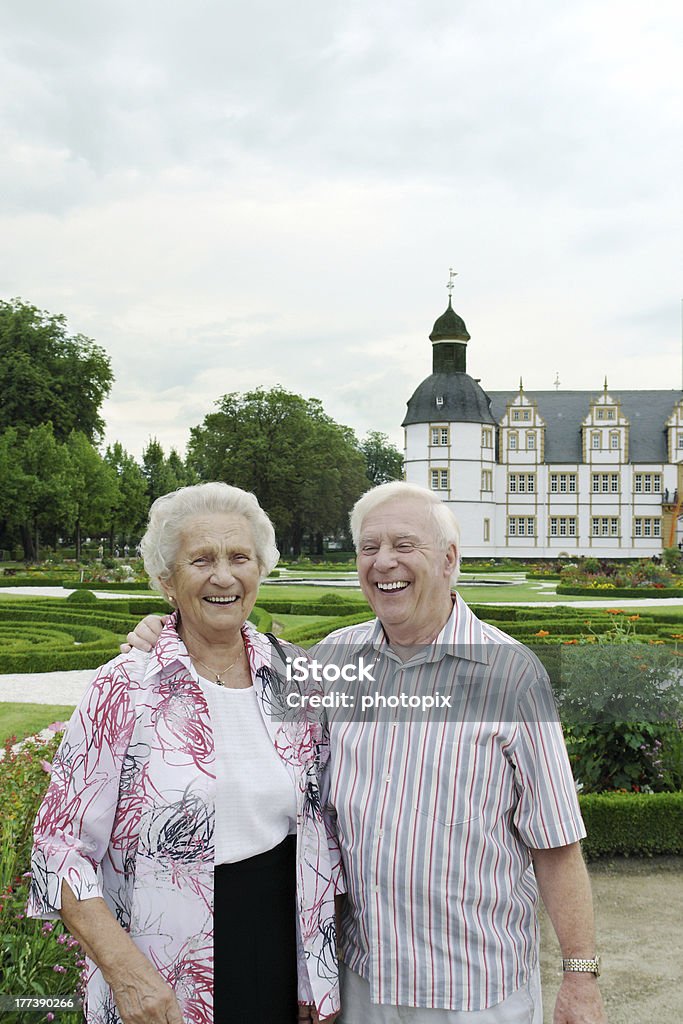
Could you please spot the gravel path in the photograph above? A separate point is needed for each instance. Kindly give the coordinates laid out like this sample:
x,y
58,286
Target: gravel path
x,y
45,687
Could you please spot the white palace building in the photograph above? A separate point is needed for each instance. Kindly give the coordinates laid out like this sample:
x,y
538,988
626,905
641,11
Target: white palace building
x,y
533,474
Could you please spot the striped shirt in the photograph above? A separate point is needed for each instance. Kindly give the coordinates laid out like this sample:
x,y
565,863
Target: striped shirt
x,y
437,816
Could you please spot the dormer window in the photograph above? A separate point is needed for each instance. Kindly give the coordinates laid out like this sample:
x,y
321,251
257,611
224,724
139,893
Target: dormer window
x,y
439,401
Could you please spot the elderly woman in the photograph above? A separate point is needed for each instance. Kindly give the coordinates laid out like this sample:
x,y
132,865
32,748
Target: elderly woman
x,y
182,838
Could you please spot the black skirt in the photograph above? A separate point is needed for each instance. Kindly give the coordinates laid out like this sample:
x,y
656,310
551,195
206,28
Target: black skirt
x,y
255,976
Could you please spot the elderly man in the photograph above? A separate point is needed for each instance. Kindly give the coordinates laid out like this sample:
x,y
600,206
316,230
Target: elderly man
x,y
451,825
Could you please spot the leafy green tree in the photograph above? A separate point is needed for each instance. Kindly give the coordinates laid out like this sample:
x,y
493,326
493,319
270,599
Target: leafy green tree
x,y
44,503
47,376
305,469
159,476
129,513
94,488
383,460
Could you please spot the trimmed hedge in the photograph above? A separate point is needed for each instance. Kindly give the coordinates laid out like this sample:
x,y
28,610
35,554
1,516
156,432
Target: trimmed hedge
x,y
313,633
632,824
609,592
262,619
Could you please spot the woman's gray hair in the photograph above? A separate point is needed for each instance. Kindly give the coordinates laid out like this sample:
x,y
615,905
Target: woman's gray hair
x,y
445,524
168,516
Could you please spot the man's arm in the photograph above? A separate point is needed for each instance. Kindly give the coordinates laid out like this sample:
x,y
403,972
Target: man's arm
x,y
565,889
145,635
142,996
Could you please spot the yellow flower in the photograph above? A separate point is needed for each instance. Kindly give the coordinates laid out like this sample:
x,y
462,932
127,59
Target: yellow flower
x,y
542,632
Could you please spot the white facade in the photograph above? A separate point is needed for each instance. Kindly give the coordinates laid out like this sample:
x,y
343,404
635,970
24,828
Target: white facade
x,y
511,503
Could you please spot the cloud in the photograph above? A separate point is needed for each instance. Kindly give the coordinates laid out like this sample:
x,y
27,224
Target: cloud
x,y
226,197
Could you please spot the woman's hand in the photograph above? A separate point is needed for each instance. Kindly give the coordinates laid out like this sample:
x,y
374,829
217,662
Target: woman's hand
x,y
142,996
309,1015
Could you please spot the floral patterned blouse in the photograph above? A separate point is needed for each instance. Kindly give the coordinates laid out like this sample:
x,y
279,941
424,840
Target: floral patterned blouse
x,y
129,816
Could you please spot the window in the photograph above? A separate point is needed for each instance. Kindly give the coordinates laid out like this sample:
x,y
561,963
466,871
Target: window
x,y
647,483
512,440
605,483
515,414
521,483
486,480
647,527
563,483
563,526
487,437
605,526
614,442
595,441
439,401
680,440
521,526
487,529
531,441
440,436
439,479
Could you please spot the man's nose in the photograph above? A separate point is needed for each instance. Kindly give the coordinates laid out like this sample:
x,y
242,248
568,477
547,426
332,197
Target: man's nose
x,y
385,558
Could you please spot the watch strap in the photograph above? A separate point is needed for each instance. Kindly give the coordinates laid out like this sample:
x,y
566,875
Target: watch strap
x,y
582,964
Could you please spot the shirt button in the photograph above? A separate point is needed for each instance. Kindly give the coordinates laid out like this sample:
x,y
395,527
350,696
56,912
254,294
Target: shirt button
x,y
380,833
388,778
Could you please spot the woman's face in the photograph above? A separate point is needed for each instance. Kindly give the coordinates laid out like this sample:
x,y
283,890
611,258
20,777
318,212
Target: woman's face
x,y
216,576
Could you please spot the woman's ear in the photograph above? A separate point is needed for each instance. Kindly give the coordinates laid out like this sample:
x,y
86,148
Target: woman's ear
x,y
168,589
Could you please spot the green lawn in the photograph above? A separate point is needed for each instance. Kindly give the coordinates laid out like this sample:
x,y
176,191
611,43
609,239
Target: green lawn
x,y
23,720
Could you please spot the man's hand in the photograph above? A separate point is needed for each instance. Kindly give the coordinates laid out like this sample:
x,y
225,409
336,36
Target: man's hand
x,y
579,1000
145,635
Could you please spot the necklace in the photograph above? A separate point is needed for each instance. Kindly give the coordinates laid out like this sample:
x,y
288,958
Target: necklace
x,y
222,671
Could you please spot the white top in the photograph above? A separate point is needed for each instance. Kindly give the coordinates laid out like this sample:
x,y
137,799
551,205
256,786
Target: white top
x,y
255,795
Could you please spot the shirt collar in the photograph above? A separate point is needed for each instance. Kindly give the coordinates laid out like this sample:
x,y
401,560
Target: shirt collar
x,y
170,649
461,637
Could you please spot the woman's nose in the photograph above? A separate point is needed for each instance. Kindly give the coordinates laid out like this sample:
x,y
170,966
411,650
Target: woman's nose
x,y
222,573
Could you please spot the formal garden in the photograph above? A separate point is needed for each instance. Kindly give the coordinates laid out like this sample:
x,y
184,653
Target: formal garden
x,y
616,672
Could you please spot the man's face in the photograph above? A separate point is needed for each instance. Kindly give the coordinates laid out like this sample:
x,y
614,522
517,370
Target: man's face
x,y
404,571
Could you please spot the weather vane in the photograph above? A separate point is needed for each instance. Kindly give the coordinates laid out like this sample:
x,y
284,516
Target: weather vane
x,y
557,381
451,274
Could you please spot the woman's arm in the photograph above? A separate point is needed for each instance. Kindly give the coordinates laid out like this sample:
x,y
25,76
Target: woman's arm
x,y
141,994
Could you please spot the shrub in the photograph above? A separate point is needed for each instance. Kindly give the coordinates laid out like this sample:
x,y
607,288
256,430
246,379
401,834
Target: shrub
x,y
81,597
632,825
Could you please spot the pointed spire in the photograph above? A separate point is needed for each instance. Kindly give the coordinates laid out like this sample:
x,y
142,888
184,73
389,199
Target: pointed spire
x,y
605,384
521,387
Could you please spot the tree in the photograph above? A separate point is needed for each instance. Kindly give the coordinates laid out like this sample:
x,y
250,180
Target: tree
x,y
159,476
129,513
94,488
383,460
305,469
38,495
46,376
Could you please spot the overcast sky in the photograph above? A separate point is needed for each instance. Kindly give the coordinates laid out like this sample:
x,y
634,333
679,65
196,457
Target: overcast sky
x,y
225,195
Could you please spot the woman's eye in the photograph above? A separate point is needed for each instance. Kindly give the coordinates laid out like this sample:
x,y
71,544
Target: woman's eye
x,y
200,562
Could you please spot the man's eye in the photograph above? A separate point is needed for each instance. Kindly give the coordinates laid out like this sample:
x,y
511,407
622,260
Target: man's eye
x,y
368,549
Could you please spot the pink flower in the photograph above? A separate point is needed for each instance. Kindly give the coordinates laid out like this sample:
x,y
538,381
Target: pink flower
x,y
58,969
47,927
46,766
50,1016
61,939
57,726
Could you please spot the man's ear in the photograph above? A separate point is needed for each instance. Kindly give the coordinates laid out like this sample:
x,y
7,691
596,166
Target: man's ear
x,y
451,560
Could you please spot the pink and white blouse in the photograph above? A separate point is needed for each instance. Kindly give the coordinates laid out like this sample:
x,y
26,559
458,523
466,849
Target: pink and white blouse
x,y
129,816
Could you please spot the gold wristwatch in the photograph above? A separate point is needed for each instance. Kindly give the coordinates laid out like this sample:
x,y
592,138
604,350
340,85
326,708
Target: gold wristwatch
x,y
585,966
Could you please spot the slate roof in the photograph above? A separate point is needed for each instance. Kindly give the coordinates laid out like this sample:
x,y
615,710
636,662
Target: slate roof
x,y
565,411
464,401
